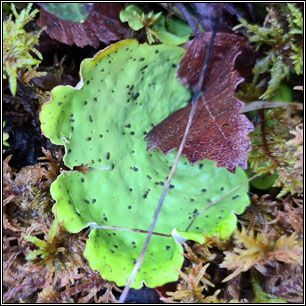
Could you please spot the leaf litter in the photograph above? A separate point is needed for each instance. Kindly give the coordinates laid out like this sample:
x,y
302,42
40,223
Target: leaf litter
x,y
275,217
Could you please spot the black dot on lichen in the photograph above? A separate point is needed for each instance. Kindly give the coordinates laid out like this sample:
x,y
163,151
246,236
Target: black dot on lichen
x,y
141,59
107,155
112,251
127,86
85,102
113,166
203,190
172,186
144,67
235,197
101,136
82,180
129,207
133,242
136,96
191,200
149,177
156,51
145,194
128,126
200,166
130,189
88,139
116,246
93,201
90,119
69,150
105,219
134,261
134,169
206,216
102,70
219,217
72,129
59,103
197,227
95,99
195,211
99,160
132,133
168,247
86,201
222,188
87,82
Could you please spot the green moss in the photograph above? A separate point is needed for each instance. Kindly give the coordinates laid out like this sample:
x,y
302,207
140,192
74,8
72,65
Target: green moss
x,y
5,137
281,38
261,296
18,45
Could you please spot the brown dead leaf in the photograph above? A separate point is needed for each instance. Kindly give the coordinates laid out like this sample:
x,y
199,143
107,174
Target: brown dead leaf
x,y
219,131
102,25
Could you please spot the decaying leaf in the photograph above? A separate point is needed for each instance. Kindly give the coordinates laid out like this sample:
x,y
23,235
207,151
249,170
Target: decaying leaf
x,y
219,132
102,25
286,282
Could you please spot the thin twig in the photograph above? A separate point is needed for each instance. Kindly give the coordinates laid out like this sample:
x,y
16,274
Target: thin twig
x,y
220,199
195,100
108,227
270,104
172,8
188,16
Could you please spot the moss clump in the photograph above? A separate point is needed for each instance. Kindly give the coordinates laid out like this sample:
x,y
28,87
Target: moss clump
x,y
281,38
18,46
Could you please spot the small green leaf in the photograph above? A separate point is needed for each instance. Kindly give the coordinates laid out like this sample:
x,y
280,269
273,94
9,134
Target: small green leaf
x,y
132,14
34,254
178,31
75,12
38,242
